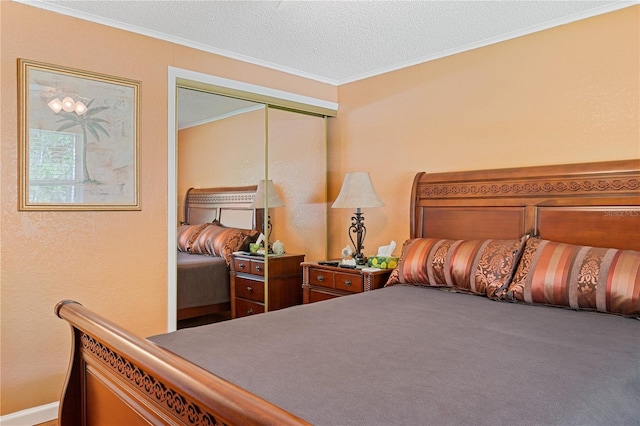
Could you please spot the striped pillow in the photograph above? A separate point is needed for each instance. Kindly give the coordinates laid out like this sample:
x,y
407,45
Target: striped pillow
x,y
187,234
217,240
581,277
477,266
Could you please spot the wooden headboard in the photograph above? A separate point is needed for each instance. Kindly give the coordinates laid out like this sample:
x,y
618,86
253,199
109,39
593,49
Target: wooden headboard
x,y
595,204
231,206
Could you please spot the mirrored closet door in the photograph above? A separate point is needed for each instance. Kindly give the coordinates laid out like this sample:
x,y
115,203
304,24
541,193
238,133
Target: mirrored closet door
x,y
297,165
221,142
226,142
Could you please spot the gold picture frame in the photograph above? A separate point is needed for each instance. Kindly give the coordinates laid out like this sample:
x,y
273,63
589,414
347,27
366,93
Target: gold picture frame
x,y
78,139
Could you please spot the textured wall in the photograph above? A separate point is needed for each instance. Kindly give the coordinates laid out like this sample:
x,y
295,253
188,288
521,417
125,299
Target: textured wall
x,y
112,262
564,95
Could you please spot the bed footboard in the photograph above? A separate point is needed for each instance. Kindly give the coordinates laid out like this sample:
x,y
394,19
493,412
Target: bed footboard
x,y
115,377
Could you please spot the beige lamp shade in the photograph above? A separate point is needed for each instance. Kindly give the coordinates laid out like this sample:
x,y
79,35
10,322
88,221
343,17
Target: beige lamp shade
x,y
262,192
357,192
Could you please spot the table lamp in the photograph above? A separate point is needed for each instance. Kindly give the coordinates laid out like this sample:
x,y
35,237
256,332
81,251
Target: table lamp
x,y
357,192
266,191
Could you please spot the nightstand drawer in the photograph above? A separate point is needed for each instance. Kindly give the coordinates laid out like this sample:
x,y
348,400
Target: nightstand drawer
x,y
242,265
348,282
249,289
322,281
319,295
321,277
257,268
245,308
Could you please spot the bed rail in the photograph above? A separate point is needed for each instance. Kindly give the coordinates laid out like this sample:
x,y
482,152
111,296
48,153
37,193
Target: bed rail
x,y
115,377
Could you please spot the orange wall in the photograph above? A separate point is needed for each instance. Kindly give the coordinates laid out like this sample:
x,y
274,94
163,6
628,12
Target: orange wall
x,y
113,262
566,95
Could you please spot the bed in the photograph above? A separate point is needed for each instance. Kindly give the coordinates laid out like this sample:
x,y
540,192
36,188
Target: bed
x,y
203,284
482,322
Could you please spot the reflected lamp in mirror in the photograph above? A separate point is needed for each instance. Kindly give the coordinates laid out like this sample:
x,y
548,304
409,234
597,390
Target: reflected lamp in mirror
x,y
357,192
266,193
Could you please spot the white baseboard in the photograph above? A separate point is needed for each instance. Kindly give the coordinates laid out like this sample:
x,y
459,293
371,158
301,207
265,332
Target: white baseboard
x,y
31,416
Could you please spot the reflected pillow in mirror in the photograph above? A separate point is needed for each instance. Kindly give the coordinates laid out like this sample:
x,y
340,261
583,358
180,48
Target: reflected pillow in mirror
x,y
216,240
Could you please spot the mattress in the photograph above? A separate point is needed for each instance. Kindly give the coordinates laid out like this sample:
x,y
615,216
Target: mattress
x,y
202,280
414,355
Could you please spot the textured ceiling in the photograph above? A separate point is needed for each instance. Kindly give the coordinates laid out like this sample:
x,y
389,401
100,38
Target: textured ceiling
x,y
332,41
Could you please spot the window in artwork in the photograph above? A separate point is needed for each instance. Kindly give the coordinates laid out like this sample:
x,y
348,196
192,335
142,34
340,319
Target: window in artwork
x,y
55,166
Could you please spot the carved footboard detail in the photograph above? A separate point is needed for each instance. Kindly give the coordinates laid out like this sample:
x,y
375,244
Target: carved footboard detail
x,y
117,378
170,399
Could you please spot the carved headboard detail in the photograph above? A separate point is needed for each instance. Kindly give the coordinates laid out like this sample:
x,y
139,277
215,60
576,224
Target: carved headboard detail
x,y
231,206
588,203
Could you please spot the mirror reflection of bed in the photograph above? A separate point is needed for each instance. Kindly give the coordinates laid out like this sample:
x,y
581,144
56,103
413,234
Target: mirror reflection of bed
x,y
203,293
227,147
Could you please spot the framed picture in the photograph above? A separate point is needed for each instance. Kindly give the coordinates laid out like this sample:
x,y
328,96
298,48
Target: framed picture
x,y
79,136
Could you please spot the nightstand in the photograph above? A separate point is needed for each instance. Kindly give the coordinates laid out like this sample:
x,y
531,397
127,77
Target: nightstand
x,y
322,282
248,286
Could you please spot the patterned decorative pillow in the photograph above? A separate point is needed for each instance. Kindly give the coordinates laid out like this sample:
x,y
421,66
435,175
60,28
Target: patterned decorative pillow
x,y
477,266
581,277
187,234
216,240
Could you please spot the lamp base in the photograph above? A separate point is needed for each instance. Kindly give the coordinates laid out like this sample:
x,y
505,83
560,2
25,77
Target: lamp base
x,y
361,259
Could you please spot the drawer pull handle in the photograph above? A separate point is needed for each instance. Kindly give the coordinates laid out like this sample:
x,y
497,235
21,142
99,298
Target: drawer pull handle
x,y
347,283
320,278
258,268
241,265
250,311
250,289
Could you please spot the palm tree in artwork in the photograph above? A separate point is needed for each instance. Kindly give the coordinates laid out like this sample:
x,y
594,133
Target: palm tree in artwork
x,y
89,124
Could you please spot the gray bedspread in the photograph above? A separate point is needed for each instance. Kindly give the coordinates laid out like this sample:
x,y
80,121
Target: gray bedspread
x,y
413,356
202,280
